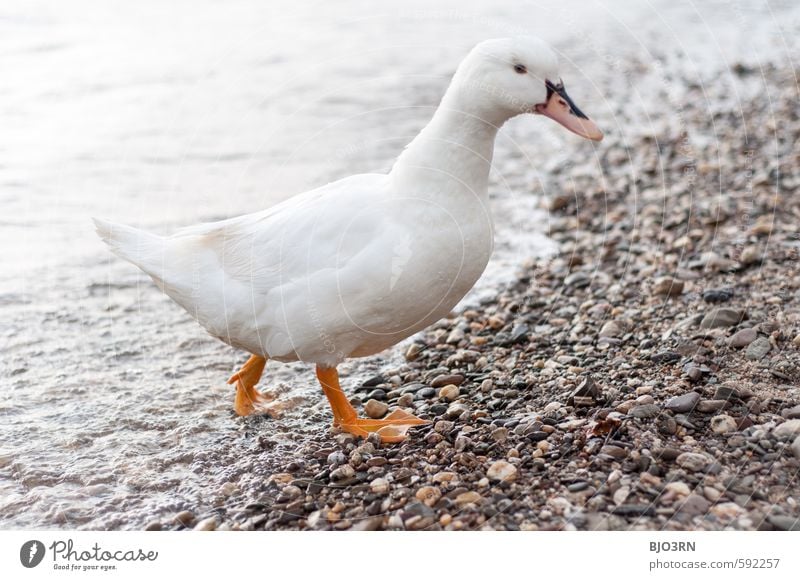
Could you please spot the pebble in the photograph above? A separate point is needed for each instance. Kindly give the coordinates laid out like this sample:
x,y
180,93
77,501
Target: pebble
x,y
428,495
468,498
614,451
693,461
611,329
500,434
722,318
742,338
413,352
683,403
405,400
502,471
343,475
184,518
443,380
379,486
449,392
668,287
207,525
787,430
375,409
644,411
750,255
796,447
578,280
718,295
758,349
707,406
722,424
694,505
785,523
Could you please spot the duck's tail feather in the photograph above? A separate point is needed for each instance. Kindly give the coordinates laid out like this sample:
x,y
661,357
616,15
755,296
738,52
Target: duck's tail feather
x,y
138,247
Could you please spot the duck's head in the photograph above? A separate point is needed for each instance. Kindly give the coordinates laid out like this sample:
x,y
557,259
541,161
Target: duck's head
x,y
506,77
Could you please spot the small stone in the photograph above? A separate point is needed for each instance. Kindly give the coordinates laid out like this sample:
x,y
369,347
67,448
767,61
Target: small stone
x,y
614,451
379,485
694,505
796,340
500,434
722,424
611,329
722,318
586,395
750,255
678,488
413,352
468,498
154,526
519,333
668,287
684,403
665,356
343,475
444,477
559,201
184,518
787,430
443,380
206,525
449,392
785,523
711,493
456,336
742,338
578,280
502,471
443,426
455,410
796,447
693,461
644,411
726,393
714,295
710,406
428,495
375,409
758,349
405,400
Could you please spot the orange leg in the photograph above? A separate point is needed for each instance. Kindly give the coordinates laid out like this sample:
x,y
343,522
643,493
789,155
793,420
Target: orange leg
x,y
248,399
392,429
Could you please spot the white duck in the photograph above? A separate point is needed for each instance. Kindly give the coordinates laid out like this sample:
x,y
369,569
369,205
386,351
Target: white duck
x,y
357,265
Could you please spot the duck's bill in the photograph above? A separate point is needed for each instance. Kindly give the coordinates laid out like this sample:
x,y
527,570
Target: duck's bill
x,y
561,109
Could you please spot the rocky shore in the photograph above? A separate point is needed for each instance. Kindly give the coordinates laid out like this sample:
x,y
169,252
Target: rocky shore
x,y
644,377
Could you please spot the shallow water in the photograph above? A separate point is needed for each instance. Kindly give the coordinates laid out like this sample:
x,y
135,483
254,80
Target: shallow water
x,y
114,406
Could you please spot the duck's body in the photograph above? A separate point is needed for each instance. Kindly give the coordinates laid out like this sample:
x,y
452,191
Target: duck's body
x,y
345,270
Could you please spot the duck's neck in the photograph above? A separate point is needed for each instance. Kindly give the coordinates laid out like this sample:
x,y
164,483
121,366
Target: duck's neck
x,y
452,155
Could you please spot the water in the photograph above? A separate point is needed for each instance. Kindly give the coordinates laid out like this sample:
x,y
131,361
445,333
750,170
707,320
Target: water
x,y
113,403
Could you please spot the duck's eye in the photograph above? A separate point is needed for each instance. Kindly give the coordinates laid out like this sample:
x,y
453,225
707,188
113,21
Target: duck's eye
x,y
520,69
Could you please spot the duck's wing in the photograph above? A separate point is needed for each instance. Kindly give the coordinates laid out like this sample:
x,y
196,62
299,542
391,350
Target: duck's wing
x,y
259,269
